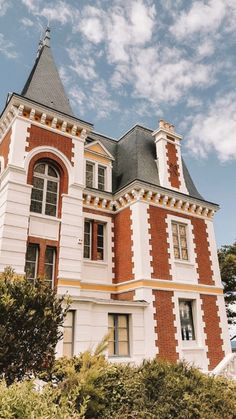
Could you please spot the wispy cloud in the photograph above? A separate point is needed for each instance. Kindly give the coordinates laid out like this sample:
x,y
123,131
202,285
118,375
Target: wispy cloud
x,y
58,11
215,129
4,5
7,48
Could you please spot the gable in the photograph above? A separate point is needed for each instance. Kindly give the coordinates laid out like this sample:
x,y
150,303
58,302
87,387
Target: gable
x,y
98,149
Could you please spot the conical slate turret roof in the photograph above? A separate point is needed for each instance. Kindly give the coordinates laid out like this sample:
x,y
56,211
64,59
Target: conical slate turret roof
x,y
44,84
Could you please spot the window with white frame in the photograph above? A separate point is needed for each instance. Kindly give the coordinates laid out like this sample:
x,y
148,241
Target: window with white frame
x,y
186,319
94,240
89,175
179,234
49,265
44,196
87,239
101,178
118,326
31,262
68,335
96,176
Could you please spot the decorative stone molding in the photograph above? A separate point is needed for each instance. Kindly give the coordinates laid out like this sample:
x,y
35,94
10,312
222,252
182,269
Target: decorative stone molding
x,y
117,202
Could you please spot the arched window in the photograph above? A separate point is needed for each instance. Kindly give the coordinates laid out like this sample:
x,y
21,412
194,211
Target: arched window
x,y
44,197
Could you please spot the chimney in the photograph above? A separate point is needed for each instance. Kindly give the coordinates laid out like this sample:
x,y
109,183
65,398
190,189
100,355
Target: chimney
x,y
168,154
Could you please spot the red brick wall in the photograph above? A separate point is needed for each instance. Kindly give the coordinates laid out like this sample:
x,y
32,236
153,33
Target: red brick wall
x,y
124,296
43,137
42,244
4,147
164,319
212,329
173,166
202,251
123,246
158,241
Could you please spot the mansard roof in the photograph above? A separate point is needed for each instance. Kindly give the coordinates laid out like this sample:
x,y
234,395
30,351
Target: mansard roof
x,y
135,159
44,84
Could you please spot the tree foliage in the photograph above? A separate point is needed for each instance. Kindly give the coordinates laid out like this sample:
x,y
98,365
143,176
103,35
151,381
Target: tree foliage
x,y
227,261
30,318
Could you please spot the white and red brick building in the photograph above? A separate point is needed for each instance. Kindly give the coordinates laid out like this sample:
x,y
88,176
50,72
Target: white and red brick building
x,y
117,224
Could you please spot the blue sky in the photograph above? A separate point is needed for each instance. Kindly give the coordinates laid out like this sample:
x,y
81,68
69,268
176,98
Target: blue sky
x,y
125,62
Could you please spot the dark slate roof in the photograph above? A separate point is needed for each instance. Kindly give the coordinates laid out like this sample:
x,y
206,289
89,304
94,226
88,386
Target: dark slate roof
x,y
135,155
44,84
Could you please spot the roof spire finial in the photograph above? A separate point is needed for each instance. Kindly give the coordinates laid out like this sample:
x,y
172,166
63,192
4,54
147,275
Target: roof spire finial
x,y
46,40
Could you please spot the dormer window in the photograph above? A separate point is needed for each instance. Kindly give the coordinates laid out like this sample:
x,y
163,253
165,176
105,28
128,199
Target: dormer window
x,y
44,197
95,176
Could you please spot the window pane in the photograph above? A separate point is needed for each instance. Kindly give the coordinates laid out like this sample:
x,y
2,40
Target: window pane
x,y
49,255
48,272
51,198
100,255
122,321
37,195
110,320
68,334
40,168
51,210
89,174
87,239
52,186
36,206
38,182
31,261
123,335
184,254
86,252
111,348
69,319
52,172
123,348
67,350
101,178
186,320
31,252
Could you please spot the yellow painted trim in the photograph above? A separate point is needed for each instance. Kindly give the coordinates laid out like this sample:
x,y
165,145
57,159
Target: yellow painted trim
x,y
90,155
75,283
155,284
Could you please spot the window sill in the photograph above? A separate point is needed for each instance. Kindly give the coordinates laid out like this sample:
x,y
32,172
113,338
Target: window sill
x,y
193,348
45,217
95,262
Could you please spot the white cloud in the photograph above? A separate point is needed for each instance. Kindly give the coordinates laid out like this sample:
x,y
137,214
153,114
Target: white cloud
x,y
202,17
4,5
59,11
206,48
27,22
215,130
7,48
83,66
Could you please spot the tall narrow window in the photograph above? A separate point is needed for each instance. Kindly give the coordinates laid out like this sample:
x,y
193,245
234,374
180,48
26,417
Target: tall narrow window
x,y
31,261
100,242
89,175
68,337
118,335
49,265
180,241
87,239
44,197
186,320
101,178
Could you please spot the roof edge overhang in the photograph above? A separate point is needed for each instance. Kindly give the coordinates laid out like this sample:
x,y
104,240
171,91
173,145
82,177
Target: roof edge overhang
x,y
175,194
16,99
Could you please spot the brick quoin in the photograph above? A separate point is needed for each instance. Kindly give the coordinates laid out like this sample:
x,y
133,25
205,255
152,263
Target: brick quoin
x,y
42,244
4,147
165,329
159,244
123,246
42,137
173,166
202,251
212,329
159,252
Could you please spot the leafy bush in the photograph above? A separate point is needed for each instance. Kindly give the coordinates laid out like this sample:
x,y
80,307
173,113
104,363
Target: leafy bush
x,y
90,387
31,315
156,389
